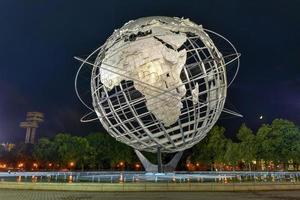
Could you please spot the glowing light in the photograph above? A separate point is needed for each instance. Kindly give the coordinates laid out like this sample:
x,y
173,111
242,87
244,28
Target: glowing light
x,y
19,179
225,180
261,117
71,164
70,179
34,178
121,178
35,165
3,166
121,163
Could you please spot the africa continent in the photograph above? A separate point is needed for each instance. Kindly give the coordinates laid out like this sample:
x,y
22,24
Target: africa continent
x,y
154,63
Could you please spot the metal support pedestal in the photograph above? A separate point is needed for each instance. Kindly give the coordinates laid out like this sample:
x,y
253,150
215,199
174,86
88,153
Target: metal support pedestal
x,y
159,162
150,167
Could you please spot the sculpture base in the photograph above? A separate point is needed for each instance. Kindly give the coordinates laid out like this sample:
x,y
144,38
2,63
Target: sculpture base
x,y
150,167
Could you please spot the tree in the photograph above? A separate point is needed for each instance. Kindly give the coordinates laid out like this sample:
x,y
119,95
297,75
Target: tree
x,y
288,142
278,142
232,154
73,149
248,147
217,143
102,144
62,143
211,149
202,153
45,151
108,151
121,152
81,148
22,153
265,146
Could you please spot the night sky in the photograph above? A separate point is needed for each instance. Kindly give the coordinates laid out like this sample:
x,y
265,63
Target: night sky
x,y
38,40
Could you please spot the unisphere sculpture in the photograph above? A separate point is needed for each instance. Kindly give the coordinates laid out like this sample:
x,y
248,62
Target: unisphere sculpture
x,y
159,83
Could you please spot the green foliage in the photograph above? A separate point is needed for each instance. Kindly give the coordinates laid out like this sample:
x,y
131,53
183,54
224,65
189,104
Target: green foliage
x,y
73,149
212,148
44,151
202,153
247,145
278,142
108,151
95,151
217,143
233,153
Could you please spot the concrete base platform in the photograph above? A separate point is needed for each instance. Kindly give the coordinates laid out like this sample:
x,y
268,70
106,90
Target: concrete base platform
x,y
71,195
151,187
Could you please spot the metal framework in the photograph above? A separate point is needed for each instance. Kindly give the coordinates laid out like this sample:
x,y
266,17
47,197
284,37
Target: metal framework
x,y
123,111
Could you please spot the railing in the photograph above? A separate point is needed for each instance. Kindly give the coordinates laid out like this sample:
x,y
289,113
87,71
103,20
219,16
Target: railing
x,y
224,177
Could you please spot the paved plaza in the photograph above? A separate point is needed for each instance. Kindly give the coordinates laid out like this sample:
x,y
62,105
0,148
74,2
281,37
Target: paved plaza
x,y
60,195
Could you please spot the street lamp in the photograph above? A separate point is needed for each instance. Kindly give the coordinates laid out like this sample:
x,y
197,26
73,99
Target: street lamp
x,y
3,166
71,165
137,166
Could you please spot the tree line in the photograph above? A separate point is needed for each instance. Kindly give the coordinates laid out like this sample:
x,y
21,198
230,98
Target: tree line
x,y
276,144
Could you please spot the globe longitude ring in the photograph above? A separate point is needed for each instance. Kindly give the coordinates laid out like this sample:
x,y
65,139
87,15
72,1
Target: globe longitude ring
x,y
159,82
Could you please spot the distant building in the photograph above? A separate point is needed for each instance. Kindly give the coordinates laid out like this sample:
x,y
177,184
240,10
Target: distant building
x,y
31,124
8,146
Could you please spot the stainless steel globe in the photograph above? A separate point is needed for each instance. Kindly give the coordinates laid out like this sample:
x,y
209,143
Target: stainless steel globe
x,y
159,82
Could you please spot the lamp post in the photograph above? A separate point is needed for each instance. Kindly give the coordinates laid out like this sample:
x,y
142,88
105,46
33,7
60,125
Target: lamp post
x,y
71,165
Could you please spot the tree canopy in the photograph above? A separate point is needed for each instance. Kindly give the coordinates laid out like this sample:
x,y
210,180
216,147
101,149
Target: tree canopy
x,y
277,143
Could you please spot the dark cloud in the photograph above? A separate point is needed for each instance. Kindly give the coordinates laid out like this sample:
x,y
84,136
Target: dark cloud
x,y
12,103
